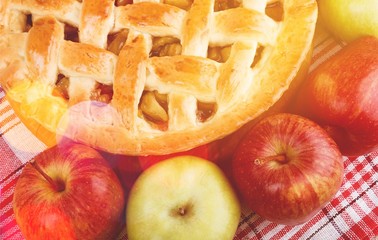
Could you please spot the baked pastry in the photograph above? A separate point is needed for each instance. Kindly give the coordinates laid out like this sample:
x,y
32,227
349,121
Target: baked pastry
x,y
149,77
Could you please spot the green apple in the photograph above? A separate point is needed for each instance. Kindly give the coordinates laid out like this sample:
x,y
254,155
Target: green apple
x,y
350,19
184,197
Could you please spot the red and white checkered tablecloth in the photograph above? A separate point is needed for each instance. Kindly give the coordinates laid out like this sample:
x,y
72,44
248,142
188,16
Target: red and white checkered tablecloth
x,y
352,214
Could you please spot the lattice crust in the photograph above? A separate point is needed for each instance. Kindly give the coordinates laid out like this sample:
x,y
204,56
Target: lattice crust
x,y
35,49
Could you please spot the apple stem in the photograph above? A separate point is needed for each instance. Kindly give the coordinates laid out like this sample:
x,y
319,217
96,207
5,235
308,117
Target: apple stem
x,y
57,185
182,211
281,158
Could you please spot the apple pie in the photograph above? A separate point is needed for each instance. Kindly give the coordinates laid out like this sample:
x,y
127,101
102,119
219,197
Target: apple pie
x,y
149,77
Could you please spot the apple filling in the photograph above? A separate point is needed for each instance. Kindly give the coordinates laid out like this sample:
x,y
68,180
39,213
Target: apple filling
x,y
61,86
122,2
100,92
221,5
165,46
116,41
275,11
71,33
153,107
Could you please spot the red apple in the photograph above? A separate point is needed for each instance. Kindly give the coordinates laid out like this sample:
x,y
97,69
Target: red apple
x,y
287,168
69,192
126,167
342,96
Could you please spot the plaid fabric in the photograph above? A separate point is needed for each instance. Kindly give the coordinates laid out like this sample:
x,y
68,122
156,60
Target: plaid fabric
x,y
352,214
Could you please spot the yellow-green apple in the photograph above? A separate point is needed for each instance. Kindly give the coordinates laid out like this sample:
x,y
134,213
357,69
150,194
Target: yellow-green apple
x,y
128,168
287,168
350,19
184,197
342,96
68,192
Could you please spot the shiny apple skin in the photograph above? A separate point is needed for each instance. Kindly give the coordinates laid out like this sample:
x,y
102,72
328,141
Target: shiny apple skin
x,y
184,197
349,19
292,191
206,151
90,207
342,96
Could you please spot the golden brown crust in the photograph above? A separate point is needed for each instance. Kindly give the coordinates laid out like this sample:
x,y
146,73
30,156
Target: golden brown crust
x,y
155,18
185,74
242,25
85,60
130,79
42,52
240,92
11,20
95,22
67,11
195,35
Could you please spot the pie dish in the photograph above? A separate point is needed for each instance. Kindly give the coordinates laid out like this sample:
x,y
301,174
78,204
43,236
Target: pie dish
x,y
149,77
